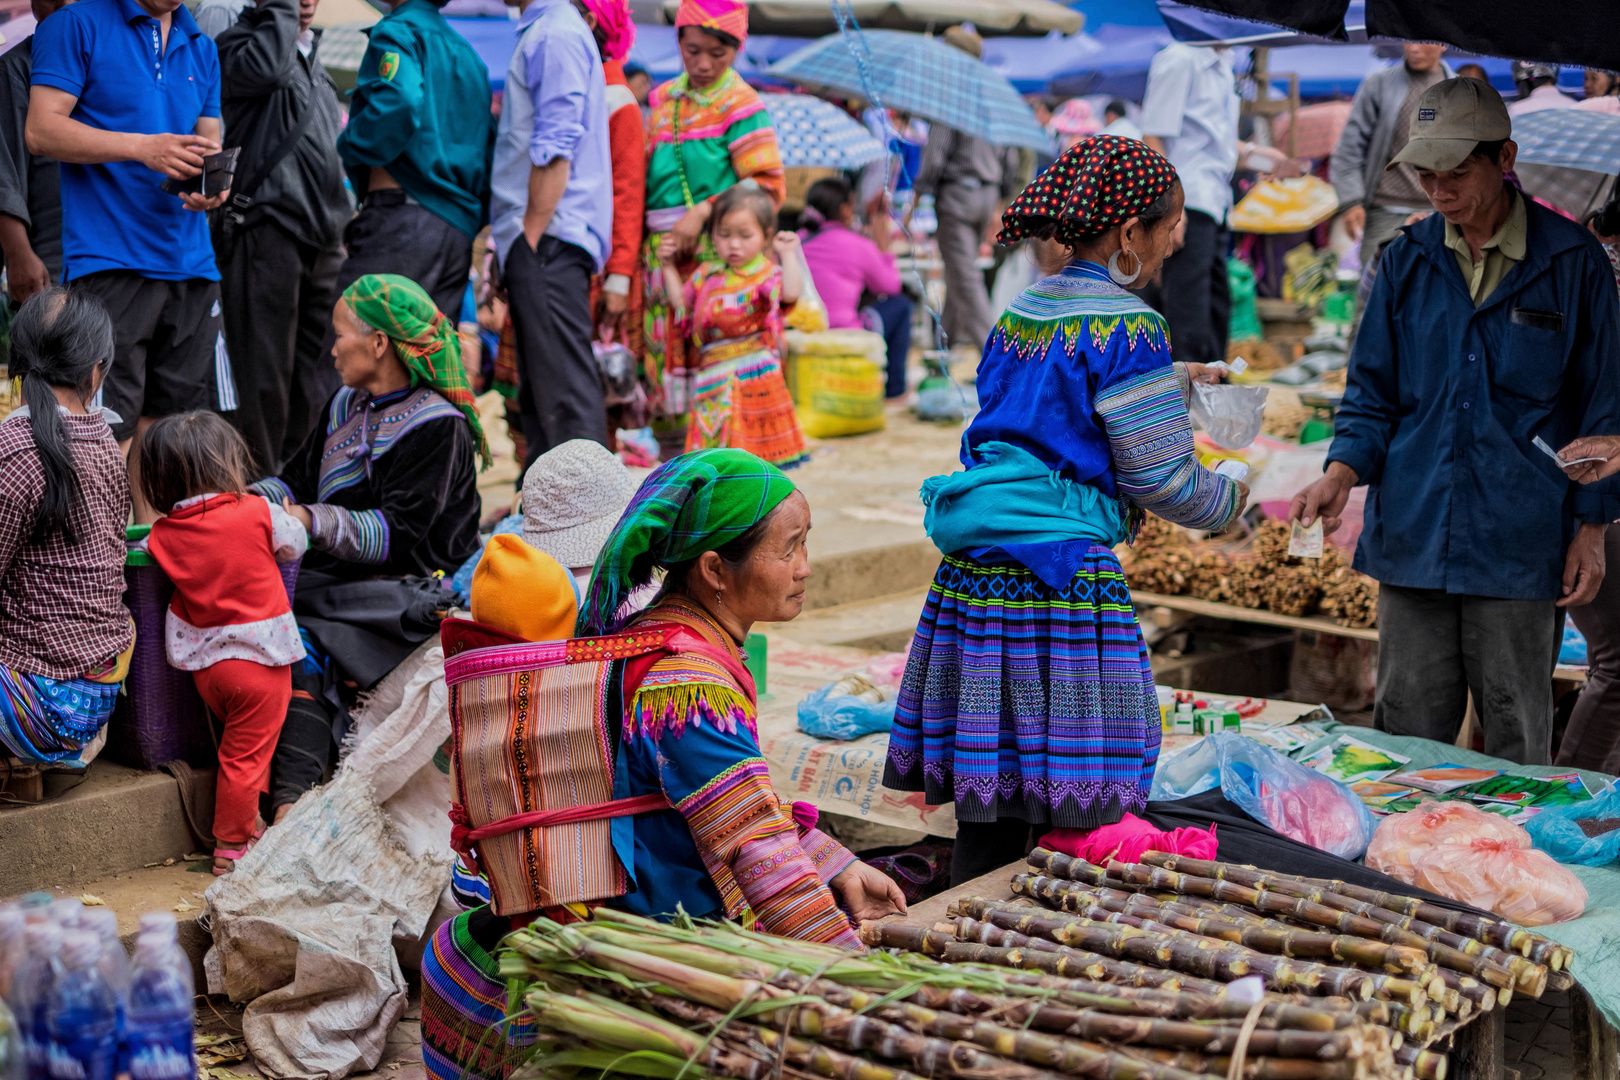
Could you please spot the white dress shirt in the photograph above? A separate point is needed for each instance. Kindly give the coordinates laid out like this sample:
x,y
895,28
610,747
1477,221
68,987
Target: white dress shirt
x,y
1542,97
1192,104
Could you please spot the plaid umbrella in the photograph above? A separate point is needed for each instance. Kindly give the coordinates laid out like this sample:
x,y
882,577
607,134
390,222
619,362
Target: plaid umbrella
x,y
919,75
1568,157
815,132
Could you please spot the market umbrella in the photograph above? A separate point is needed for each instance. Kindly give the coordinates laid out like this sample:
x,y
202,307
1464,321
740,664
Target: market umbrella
x,y
812,132
1196,26
1552,31
812,18
1568,157
1114,61
919,75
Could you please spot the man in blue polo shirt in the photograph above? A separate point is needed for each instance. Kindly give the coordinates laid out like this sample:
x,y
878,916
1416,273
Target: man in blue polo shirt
x,y
125,93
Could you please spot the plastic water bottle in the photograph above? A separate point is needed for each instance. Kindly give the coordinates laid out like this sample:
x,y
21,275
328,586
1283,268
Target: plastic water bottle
x,y
114,962
12,1066
30,990
82,1013
161,924
159,1019
12,948
65,911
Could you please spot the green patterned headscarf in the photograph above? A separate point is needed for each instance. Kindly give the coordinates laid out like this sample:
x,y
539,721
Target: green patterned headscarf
x,y
690,504
425,339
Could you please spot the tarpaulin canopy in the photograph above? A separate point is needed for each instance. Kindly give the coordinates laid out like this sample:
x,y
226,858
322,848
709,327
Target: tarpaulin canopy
x,y
813,18
1580,32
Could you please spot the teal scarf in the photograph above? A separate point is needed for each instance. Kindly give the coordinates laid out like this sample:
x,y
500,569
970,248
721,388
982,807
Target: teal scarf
x,y
1010,497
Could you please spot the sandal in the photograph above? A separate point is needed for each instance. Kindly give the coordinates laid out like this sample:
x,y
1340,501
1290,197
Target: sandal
x,y
232,854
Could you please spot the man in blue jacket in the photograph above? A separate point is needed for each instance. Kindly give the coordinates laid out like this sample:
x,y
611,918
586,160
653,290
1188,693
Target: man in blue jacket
x,y
1492,323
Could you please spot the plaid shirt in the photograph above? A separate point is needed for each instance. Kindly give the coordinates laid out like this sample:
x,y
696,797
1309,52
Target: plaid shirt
x,y
61,607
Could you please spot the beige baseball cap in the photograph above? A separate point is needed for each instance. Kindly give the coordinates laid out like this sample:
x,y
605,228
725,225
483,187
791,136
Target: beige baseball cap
x,y
1451,117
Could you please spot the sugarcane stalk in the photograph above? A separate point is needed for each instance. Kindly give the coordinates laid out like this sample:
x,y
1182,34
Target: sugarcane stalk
x,y
1482,997
1159,877
1425,1064
953,1056
1491,931
1262,935
1278,1011
1254,1068
1039,954
1178,949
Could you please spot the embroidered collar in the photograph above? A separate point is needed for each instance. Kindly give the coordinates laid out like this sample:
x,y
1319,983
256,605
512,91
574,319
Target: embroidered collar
x,y
360,429
682,87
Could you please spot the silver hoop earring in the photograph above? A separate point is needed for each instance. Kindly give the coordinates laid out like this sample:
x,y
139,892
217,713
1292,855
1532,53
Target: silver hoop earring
x,y
1114,272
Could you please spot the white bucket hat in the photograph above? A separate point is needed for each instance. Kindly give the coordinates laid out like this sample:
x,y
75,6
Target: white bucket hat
x,y
573,496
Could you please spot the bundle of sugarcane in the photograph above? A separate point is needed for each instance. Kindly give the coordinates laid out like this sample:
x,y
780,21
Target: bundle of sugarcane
x,y
737,1004
1436,966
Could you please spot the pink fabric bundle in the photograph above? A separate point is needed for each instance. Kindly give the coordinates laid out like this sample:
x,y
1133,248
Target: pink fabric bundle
x,y
613,19
1127,839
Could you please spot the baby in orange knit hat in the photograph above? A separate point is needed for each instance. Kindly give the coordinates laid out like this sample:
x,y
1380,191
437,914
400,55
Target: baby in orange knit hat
x,y
523,591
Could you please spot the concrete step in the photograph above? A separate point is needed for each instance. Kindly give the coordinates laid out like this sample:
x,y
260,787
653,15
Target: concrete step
x,y
118,820
883,624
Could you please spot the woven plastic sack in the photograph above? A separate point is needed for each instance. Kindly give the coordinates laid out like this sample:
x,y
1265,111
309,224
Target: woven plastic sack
x,y
1298,802
836,379
1232,415
1288,205
1456,850
1559,831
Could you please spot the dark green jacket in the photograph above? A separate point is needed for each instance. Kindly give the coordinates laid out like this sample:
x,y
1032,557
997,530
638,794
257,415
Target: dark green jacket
x,y
422,111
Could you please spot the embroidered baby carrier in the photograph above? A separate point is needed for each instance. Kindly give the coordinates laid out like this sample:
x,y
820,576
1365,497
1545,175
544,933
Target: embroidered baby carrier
x,y
535,748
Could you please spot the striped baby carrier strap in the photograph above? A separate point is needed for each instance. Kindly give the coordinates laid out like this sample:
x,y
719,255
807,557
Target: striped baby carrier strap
x,y
535,750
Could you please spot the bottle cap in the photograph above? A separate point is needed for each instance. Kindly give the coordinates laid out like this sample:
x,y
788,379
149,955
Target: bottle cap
x,y
44,939
161,923
80,948
66,911
12,922
102,922
151,949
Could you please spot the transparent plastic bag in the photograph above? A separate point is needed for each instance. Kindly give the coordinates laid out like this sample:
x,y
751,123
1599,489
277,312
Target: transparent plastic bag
x,y
617,366
847,709
1298,802
1230,414
1457,850
1560,834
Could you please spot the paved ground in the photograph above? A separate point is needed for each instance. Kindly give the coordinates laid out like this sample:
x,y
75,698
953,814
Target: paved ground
x,y
1537,1040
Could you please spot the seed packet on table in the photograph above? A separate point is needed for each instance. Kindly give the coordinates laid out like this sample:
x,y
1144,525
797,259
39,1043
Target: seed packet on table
x,y
1562,789
1443,778
1348,758
1379,794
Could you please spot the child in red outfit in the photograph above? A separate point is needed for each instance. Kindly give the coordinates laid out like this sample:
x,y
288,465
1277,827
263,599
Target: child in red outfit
x,y
230,623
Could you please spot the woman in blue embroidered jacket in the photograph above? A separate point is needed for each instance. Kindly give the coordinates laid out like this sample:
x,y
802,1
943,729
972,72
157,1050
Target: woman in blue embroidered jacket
x,y
1028,698
388,489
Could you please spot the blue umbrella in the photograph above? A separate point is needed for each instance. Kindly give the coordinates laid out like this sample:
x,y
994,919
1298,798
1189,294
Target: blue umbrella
x,y
812,132
1199,26
1568,156
1114,60
919,75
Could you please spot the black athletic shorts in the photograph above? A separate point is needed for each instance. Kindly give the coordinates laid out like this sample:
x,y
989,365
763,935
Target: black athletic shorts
x,y
168,346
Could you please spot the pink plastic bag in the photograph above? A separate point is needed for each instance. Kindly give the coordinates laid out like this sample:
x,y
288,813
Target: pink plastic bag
x,y
1127,839
1457,850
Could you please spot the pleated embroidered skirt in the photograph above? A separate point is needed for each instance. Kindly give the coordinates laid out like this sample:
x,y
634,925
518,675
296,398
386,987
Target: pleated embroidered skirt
x,y
1020,700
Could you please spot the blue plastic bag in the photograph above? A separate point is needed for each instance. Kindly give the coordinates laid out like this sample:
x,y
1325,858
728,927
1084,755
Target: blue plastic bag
x,y
1280,793
1556,832
843,716
1573,649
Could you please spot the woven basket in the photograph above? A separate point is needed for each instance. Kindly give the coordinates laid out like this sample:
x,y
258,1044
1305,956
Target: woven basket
x,y
159,717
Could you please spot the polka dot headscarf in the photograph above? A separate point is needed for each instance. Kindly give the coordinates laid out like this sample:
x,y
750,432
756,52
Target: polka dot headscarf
x,y
1097,184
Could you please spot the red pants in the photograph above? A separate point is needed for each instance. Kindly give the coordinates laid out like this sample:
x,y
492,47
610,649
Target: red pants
x,y
251,699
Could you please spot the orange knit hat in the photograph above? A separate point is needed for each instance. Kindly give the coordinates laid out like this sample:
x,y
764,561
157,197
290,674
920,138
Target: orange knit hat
x,y
523,591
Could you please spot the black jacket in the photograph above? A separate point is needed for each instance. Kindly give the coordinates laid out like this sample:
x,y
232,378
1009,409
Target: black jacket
x,y
265,86
29,189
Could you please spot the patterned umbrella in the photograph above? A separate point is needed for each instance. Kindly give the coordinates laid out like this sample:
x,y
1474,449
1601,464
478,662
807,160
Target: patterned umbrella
x,y
815,132
920,75
1568,156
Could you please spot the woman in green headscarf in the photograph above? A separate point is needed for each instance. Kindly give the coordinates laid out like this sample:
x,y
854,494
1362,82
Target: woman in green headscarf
x,y
728,531
387,488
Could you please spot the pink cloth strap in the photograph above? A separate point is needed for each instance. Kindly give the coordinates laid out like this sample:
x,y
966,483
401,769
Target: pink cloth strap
x,y
462,838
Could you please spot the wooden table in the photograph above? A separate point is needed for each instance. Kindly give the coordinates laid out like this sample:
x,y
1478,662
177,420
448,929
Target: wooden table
x,y
1215,610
